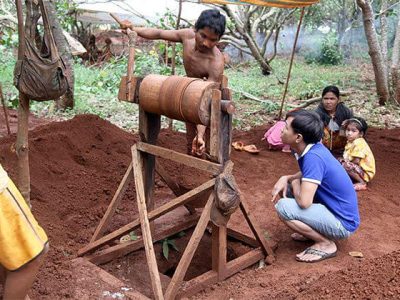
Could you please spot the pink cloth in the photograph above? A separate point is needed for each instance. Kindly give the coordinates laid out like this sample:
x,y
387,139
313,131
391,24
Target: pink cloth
x,y
273,136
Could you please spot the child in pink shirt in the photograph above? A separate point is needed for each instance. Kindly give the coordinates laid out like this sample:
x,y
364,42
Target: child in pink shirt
x,y
273,137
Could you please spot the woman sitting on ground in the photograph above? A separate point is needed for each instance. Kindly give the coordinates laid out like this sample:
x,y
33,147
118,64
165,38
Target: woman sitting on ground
x,y
333,112
358,160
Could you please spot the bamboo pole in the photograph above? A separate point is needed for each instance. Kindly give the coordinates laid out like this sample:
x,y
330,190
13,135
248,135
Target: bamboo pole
x,y
291,63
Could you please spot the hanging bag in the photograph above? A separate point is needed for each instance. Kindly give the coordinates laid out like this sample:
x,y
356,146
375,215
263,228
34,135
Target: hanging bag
x,y
41,76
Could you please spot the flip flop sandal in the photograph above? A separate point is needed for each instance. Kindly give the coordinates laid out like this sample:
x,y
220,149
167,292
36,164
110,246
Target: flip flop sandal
x,y
322,255
238,146
360,187
251,149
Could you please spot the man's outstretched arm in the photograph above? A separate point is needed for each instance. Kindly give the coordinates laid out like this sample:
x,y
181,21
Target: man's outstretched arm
x,y
155,33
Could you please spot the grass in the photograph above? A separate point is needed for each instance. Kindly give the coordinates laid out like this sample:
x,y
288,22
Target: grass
x,y
96,90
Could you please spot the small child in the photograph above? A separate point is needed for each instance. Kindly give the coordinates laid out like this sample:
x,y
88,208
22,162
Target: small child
x,y
273,137
358,160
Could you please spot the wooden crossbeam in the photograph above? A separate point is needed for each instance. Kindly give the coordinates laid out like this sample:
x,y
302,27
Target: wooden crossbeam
x,y
105,221
189,251
184,159
203,281
120,250
137,161
157,212
245,239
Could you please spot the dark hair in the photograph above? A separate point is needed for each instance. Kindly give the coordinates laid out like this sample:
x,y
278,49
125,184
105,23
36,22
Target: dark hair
x,y
342,112
213,19
360,123
331,88
308,124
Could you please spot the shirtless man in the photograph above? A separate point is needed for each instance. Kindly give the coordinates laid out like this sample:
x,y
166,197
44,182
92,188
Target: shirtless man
x,y
201,58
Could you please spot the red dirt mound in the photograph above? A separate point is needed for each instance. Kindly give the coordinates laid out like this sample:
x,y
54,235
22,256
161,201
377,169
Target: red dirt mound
x,y
76,167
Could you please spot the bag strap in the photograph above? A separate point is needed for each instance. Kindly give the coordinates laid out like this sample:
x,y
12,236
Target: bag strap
x,y
46,24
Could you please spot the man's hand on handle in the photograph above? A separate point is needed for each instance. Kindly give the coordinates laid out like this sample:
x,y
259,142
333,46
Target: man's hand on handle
x,y
198,146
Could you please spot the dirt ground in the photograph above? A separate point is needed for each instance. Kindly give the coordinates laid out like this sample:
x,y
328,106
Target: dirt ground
x,y
76,167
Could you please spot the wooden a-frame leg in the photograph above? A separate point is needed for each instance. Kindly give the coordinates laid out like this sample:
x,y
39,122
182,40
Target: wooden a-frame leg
x,y
145,224
105,221
255,228
187,256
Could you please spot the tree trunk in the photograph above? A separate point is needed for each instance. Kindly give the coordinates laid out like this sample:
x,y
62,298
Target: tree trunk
x,y
21,144
375,53
67,100
384,35
341,23
395,65
250,41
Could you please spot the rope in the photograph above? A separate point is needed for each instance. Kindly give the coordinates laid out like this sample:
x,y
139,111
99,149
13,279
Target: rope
x,y
291,63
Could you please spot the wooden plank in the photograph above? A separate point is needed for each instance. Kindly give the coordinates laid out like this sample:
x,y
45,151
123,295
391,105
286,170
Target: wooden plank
x,y
215,126
120,250
159,211
187,160
219,248
226,125
224,81
205,280
197,284
145,224
255,228
245,239
105,221
189,251
149,128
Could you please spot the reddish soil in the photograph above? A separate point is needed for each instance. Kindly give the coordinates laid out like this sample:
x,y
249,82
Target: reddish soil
x,y
76,167
13,121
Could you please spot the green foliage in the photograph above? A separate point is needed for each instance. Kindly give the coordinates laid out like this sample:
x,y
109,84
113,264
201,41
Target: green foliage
x,y
170,243
330,53
166,244
66,9
133,236
9,38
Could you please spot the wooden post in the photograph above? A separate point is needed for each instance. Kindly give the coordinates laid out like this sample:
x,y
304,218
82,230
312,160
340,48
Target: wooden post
x,y
137,161
226,122
215,126
149,128
219,246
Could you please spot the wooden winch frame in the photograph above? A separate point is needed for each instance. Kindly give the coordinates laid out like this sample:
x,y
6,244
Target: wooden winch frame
x,y
142,170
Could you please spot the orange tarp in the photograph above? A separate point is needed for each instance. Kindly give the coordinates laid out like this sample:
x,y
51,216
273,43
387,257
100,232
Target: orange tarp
x,y
274,3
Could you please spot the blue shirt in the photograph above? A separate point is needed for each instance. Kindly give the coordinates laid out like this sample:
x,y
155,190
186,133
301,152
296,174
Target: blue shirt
x,y
335,189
